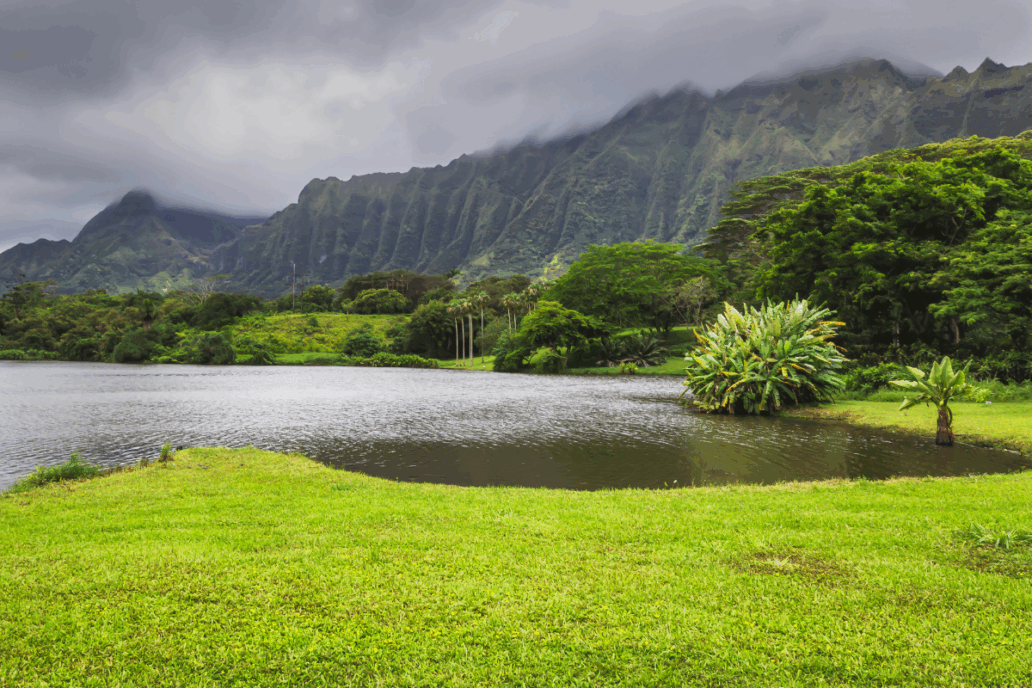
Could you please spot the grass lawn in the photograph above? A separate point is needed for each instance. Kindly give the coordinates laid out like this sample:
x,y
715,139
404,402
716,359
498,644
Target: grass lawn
x,y
1005,424
242,567
674,366
295,334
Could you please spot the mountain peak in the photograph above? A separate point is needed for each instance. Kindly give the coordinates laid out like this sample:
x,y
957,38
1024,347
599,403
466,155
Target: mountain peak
x,y
990,67
138,202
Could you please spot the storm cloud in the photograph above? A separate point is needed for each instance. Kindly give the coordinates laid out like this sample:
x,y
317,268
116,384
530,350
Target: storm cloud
x,y
235,106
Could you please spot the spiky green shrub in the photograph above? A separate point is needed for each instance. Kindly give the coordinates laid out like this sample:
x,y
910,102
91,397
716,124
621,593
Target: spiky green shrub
x,y
645,349
759,360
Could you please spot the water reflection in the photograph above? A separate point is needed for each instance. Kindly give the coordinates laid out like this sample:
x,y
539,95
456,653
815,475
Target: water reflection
x,y
442,426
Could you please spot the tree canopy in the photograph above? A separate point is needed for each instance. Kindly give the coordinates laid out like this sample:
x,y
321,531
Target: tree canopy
x,y
916,250
629,283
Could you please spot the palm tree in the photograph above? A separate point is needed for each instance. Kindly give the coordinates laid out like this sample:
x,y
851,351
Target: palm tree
x,y
453,312
471,308
940,388
521,308
509,301
457,314
479,300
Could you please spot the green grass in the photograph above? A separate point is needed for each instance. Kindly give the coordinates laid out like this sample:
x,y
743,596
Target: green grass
x,y
241,567
1007,425
72,469
285,333
308,358
674,366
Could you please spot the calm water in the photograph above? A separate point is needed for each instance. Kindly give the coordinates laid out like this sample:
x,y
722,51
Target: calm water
x,y
456,427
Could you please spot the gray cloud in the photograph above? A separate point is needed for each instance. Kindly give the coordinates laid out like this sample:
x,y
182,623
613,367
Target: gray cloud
x,y
93,47
621,60
46,164
235,106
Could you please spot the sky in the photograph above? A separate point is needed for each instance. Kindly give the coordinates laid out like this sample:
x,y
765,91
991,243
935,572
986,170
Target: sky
x,y
234,106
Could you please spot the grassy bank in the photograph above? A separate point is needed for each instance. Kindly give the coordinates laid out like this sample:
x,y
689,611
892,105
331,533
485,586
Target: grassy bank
x,y
315,334
241,567
1006,425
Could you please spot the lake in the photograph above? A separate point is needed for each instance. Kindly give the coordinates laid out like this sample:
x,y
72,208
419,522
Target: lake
x,y
446,426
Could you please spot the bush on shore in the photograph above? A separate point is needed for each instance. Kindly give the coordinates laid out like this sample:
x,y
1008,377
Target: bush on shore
x,y
387,360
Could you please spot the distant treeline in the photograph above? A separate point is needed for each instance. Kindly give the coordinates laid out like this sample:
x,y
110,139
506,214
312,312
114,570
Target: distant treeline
x,y
920,253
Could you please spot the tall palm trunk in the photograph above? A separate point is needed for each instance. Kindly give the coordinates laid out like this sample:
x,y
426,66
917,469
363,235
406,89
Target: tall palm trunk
x,y
463,321
456,321
481,334
944,431
471,339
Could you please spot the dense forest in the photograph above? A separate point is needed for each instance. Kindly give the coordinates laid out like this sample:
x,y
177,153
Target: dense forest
x,y
920,253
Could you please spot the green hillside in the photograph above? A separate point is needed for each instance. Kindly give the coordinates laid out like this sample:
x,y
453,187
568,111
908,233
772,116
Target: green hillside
x,y
661,170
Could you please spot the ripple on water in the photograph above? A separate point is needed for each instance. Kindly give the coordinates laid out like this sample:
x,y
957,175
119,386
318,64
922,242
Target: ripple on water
x,y
440,426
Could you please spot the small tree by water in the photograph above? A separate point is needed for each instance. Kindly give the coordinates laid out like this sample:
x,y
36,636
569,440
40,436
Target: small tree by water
x,y
939,387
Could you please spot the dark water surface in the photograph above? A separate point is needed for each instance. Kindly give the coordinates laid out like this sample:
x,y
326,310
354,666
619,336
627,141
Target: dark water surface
x,y
457,427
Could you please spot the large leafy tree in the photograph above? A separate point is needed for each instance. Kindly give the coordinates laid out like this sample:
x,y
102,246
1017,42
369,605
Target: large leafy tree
x,y
897,243
872,246
988,285
553,326
379,301
430,330
625,283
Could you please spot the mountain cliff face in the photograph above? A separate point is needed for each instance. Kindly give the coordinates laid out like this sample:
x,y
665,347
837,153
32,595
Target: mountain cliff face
x,y
132,244
661,170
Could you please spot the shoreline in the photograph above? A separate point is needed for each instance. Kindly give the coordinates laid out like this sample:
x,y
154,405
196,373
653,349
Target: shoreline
x,y
1006,426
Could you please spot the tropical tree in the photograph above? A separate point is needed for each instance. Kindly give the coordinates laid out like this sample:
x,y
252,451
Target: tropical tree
x,y
757,360
428,330
379,301
202,289
644,349
209,348
625,283
458,314
470,308
553,326
478,301
510,302
688,298
875,244
939,387
317,298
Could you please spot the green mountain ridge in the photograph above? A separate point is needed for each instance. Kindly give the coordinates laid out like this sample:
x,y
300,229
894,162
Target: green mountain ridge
x,y
660,170
133,244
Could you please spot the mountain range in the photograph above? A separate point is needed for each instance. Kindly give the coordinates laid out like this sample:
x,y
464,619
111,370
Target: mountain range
x,y
659,170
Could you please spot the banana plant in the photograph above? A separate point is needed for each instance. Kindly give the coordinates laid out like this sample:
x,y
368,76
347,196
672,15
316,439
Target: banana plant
x,y
939,387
